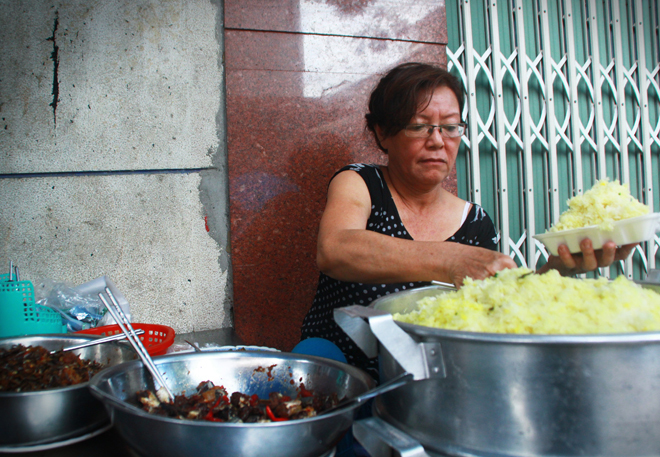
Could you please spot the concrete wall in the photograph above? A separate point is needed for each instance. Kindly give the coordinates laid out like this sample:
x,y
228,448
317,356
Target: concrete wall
x,y
112,152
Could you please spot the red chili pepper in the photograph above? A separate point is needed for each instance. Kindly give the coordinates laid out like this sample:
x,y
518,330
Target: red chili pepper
x,y
254,400
272,417
304,392
209,415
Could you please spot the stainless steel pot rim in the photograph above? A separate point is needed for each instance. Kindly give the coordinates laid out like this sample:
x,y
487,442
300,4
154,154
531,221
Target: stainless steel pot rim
x,y
137,364
67,336
58,336
50,336
46,335
165,358
37,393
509,338
54,444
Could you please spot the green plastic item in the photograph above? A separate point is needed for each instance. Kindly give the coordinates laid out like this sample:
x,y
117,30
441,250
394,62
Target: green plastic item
x,y
20,315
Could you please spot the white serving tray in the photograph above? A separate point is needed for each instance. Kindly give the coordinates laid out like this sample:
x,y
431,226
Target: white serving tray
x,y
626,231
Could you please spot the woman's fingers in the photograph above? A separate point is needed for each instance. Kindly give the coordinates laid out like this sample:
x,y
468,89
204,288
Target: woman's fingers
x,y
608,255
504,262
479,263
624,251
566,257
589,259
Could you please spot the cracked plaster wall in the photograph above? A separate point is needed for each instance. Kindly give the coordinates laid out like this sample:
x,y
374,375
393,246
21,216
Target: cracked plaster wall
x,y
112,152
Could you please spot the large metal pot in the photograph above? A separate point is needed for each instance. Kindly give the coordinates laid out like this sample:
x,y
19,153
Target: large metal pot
x,y
45,418
152,435
513,395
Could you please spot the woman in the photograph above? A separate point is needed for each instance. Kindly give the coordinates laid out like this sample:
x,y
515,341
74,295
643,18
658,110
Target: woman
x,y
391,228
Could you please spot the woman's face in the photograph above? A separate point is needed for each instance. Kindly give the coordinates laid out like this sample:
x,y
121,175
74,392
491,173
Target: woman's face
x,y
426,161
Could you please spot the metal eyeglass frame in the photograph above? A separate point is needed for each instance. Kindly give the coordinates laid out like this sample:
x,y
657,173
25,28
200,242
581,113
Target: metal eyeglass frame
x,y
462,128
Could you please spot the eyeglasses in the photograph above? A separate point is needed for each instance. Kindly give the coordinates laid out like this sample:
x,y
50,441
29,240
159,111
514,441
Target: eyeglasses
x,y
426,130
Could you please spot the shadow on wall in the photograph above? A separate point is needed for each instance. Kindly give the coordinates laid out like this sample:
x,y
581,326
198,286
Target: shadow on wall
x,y
276,206
298,78
275,219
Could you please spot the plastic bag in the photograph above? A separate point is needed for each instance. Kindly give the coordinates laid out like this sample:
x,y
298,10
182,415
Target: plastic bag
x,y
80,306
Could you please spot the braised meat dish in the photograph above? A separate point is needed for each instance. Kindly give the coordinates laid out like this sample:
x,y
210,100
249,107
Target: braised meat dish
x,y
32,368
214,403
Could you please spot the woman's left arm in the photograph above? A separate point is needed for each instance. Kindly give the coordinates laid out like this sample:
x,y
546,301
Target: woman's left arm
x,y
588,260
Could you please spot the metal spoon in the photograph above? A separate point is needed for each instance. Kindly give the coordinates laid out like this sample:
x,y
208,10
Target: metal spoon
x,y
398,381
194,346
118,336
444,284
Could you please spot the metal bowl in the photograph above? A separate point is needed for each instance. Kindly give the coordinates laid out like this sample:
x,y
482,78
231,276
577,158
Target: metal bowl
x,y
512,395
152,435
38,418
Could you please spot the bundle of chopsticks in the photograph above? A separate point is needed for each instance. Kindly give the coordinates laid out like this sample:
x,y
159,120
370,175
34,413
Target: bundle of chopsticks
x,y
120,317
13,272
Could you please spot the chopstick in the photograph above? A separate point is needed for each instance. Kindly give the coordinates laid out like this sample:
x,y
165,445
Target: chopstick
x,y
106,339
126,327
444,284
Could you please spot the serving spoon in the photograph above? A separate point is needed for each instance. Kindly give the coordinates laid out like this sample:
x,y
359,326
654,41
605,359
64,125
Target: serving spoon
x,y
397,381
444,284
194,346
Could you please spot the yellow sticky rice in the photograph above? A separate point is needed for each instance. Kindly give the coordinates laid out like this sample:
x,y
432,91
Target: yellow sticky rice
x,y
519,301
603,204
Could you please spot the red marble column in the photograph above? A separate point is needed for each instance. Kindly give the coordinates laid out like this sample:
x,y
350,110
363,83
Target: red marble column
x,y
298,75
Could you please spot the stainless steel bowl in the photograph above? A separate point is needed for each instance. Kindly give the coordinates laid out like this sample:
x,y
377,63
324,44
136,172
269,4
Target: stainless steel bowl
x,y
152,435
31,419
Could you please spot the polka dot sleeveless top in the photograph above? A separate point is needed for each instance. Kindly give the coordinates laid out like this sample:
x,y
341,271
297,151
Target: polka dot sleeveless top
x,y
477,230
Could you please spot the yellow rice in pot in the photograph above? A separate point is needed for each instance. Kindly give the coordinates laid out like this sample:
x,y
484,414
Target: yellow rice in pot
x,y
518,301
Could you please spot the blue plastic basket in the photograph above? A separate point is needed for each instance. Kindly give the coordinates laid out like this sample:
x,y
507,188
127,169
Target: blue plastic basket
x,y
20,315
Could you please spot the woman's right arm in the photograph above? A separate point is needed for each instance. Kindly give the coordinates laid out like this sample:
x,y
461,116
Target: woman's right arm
x,y
348,252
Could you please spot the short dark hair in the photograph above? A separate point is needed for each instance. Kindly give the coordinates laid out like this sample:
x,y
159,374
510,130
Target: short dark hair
x,y
402,91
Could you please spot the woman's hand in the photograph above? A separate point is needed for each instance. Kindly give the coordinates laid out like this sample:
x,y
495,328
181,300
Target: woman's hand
x,y
588,260
475,262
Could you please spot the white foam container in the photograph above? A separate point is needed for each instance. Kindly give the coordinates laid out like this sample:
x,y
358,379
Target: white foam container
x,y
626,231
98,285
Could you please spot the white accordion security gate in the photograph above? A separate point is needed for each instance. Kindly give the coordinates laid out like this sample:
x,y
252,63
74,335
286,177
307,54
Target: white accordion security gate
x,y
559,93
